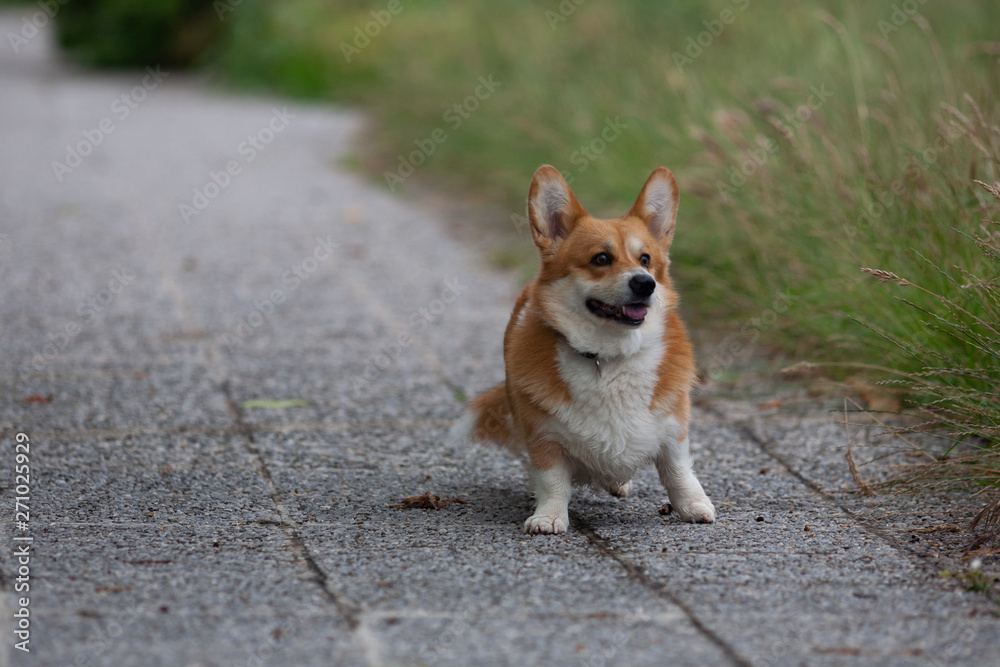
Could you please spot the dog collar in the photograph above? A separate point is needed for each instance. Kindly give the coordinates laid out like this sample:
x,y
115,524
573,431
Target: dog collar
x,y
591,355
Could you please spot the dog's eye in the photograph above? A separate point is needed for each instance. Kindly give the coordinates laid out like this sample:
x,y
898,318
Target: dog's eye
x,y
644,260
601,259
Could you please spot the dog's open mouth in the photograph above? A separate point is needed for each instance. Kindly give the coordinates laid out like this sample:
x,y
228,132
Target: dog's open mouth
x,y
631,314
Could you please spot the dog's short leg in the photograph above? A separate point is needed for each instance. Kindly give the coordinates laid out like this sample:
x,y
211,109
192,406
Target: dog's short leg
x,y
620,490
687,498
552,489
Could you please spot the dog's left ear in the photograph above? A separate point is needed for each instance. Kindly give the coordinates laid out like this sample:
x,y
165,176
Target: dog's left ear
x,y
657,205
552,209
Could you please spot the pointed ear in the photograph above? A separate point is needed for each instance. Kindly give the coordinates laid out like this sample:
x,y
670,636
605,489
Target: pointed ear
x,y
552,208
657,204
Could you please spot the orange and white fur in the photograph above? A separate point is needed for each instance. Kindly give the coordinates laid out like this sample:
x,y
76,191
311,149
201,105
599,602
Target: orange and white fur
x,y
599,367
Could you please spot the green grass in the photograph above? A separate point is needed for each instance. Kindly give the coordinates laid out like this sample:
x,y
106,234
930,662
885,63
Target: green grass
x,y
855,182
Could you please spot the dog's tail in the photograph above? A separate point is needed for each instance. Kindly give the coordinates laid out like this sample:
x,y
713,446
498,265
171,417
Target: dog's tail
x,y
487,419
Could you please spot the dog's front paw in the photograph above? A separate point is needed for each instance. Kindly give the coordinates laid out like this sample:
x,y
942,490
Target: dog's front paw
x,y
699,510
620,490
546,524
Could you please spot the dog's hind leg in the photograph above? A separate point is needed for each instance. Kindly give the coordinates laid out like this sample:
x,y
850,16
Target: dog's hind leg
x,y
487,419
620,490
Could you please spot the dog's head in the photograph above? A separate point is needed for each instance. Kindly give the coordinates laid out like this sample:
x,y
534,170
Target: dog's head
x,y
604,283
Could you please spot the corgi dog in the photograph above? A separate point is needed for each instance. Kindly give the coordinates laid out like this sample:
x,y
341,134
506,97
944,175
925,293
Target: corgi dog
x,y
598,365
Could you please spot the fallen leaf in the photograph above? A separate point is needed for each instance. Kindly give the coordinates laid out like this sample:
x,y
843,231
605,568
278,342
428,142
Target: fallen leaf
x,y
274,404
767,405
110,589
839,650
883,402
37,398
354,215
877,397
427,501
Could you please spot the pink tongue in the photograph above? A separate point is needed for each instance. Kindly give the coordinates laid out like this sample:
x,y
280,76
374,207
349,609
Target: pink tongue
x,y
634,311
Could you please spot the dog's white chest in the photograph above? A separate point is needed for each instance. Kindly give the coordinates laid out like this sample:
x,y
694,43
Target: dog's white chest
x,y
607,424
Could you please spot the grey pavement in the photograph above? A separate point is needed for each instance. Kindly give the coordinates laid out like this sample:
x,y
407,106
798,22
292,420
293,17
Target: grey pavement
x,y
222,410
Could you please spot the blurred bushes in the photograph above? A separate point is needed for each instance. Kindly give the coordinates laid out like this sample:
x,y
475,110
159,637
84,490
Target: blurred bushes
x,y
131,33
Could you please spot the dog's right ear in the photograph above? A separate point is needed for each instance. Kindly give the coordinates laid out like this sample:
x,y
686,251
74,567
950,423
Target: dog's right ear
x,y
552,209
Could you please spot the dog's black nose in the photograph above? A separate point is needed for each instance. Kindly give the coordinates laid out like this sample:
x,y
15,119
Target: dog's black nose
x,y
642,284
